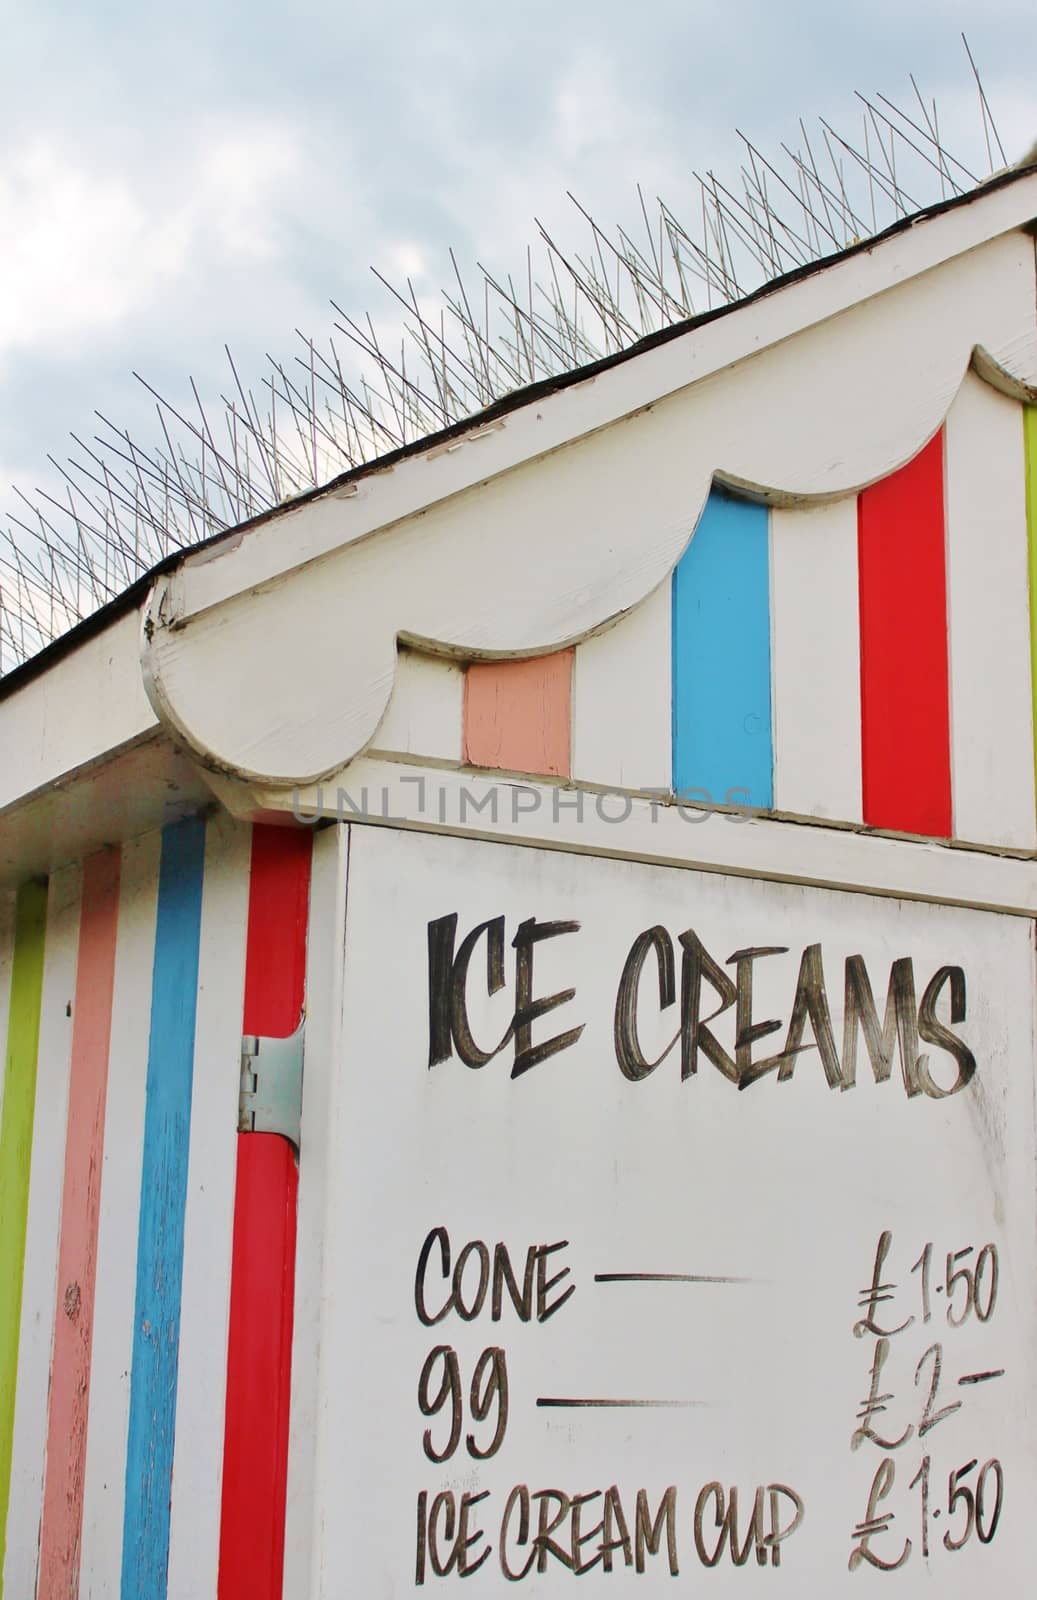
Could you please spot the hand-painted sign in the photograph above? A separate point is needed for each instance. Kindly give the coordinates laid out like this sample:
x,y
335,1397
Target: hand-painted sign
x,y
625,1280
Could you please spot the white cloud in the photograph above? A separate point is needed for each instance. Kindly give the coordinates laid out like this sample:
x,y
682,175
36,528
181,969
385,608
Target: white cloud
x,y
91,249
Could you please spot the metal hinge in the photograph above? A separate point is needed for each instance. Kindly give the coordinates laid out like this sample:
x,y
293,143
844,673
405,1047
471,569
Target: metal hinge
x,y
270,1100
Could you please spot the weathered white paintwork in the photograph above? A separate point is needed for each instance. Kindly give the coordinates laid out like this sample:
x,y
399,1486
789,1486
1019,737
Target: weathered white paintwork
x,y
621,700
815,661
84,707
788,1185
540,556
115,797
424,715
988,611
486,450
629,825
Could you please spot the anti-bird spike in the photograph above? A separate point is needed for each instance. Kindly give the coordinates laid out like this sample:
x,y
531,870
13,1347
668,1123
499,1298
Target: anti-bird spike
x,y
118,507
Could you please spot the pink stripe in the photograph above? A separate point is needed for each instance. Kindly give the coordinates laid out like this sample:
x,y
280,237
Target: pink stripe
x,y
517,714
77,1261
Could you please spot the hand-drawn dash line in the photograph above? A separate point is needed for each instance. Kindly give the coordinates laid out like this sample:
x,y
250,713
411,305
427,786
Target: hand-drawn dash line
x,y
664,1277
552,1400
981,1377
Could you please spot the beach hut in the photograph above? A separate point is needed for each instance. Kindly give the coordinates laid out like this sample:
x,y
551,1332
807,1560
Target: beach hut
x,y
517,980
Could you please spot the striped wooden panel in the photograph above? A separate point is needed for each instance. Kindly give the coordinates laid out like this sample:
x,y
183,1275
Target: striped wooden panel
x,y
73,1324
156,1332
194,1529
988,619
311,1439
16,1132
43,1226
517,714
105,1483
722,748
816,661
905,718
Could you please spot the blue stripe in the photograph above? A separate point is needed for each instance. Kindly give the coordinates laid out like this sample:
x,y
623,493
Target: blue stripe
x,y
722,749
163,1192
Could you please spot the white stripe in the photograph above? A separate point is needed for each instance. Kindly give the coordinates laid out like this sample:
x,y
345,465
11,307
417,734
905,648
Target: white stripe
x,y
424,715
992,781
621,700
41,1239
7,910
194,1534
105,1483
309,1441
513,812
815,661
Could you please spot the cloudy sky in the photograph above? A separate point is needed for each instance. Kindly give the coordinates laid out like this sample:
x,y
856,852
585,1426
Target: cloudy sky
x,y
174,177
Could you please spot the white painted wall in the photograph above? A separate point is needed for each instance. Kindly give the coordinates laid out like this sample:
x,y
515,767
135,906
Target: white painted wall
x,y
77,711
788,1185
622,694
537,557
424,715
815,661
988,610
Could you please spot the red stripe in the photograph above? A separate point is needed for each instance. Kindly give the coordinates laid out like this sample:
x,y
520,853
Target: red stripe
x,y
259,1359
72,1350
905,717
275,959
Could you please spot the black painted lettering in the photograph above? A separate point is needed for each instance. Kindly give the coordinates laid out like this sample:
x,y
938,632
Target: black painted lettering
x,y
546,1308
466,1540
475,1249
464,1043
504,1278
648,1530
547,1525
444,1502
747,1032
899,1025
519,1496
580,1539
437,1236
420,1559
696,964
633,1063
615,1535
778,1531
811,1005
933,1031
528,1010
449,1025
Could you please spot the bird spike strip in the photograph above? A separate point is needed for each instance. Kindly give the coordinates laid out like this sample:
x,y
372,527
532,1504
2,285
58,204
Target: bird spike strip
x,y
115,507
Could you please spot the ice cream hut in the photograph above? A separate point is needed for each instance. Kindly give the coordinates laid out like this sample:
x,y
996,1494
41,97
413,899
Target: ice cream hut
x,y
517,980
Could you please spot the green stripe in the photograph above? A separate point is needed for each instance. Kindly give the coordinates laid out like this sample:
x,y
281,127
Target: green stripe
x,y
1030,445
23,1035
